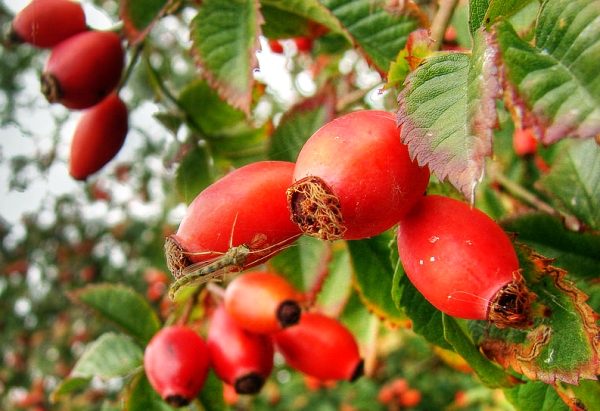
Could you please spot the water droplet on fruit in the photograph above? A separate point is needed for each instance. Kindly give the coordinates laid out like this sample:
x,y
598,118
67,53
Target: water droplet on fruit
x,y
432,259
421,262
433,239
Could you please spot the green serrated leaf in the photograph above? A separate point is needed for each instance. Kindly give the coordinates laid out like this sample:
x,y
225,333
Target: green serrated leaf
x,y
552,85
447,112
296,18
69,386
477,11
379,33
574,182
298,125
111,355
577,253
374,274
426,319
535,395
194,174
139,16
123,307
225,41
489,374
208,113
142,397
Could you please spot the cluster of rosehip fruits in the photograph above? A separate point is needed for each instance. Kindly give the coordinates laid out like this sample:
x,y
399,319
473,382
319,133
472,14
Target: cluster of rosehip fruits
x,y
353,179
259,312
82,72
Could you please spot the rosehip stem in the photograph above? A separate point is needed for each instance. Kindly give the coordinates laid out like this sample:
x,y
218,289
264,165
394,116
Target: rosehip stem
x,y
441,21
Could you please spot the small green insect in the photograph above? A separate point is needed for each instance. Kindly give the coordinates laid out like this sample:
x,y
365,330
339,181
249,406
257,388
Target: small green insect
x,y
233,259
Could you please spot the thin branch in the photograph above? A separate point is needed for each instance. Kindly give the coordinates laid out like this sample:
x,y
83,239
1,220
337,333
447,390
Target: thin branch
x,y
441,21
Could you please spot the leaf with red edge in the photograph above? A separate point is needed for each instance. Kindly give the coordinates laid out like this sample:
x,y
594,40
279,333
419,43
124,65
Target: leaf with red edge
x,y
140,15
225,40
552,86
563,344
447,111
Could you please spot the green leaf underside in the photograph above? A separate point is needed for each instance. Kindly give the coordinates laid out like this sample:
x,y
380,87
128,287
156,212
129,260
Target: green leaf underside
x,y
561,345
123,307
554,86
577,253
139,16
225,40
447,111
489,373
574,182
379,33
291,18
111,355
374,274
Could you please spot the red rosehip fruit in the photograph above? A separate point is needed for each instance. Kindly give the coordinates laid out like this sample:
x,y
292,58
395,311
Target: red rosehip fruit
x,y
176,362
45,23
83,69
321,347
240,358
354,178
275,46
524,142
99,135
262,303
463,263
246,207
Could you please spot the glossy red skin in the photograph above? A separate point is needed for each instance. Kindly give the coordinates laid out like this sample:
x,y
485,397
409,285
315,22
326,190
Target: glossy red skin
x,y
87,67
45,23
235,352
248,201
98,137
319,346
252,299
455,255
176,362
360,156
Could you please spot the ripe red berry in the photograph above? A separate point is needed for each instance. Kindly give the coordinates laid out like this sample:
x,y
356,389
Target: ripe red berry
x,y
303,44
240,358
99,135
354,178
247,206
463,263
276,46
262,302
45,23
83,69
176,362
321,347
524,142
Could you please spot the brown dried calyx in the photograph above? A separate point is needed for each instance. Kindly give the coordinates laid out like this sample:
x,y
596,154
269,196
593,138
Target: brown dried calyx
x,y
511,306
50,88
177,261
315,209
288,313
